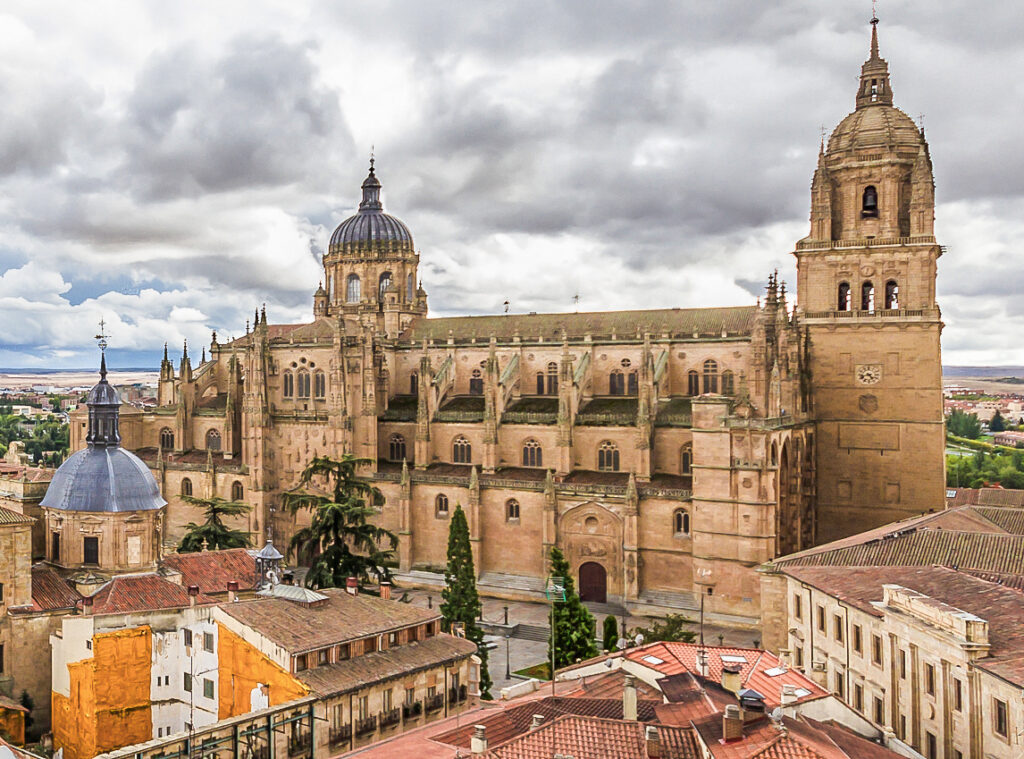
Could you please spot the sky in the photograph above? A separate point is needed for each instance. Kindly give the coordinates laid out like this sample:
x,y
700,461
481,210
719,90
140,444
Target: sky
x,y
169,167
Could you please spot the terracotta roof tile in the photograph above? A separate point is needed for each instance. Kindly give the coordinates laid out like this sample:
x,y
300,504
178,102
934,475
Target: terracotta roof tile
x,y
402,660
1010,519
298,628
144,592
610,685
594,738
212,570
51,592
13,517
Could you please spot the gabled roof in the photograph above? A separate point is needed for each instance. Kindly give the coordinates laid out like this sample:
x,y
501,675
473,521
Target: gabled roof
x,y
13,517
51,592
142,592
212,570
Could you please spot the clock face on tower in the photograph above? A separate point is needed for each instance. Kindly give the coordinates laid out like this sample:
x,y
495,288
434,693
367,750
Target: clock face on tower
x,y
869,374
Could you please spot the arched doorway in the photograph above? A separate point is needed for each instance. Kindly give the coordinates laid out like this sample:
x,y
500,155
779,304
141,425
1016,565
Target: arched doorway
x,y
593,582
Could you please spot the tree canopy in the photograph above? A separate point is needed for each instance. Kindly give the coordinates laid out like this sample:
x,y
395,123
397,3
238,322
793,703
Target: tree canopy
x,y
574,625
213,532
340,541
962,424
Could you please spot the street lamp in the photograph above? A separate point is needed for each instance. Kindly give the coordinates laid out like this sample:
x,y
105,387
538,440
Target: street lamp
x,y
508,672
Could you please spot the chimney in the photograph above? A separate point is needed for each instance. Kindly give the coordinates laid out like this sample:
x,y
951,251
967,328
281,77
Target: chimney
x,y
232,590
629,698
352,585
702,663
731,678
87,605
789,696
653,741
193,594
478,743
732,724
385,590
536,721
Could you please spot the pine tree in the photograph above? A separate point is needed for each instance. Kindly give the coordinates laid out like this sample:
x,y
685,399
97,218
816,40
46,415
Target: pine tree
x,y
213,532
460,601
349,544
997,423
574,625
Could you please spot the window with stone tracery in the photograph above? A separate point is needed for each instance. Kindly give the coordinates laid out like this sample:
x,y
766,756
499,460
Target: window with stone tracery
x,y
552,378
303,378
616,383
288,385
608,457
476,383
396,448
462,451
692,383
167,439
512,510
213,440
728,383
681,522
353,289
532,454
441,505
186,486
320,385
686,459
710,376
237,491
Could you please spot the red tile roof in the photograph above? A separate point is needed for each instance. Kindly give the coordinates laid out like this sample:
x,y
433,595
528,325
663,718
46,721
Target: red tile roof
x,y
610,685
594,738
145,592
51,592
790,738
13,517
212,570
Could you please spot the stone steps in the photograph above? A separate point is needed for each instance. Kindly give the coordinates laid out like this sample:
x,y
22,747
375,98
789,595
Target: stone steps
x,y
419,578
509,582
539,633
670,600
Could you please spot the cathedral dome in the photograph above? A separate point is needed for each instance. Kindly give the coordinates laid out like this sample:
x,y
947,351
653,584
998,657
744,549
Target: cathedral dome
x,y
103,477
370,225
875,127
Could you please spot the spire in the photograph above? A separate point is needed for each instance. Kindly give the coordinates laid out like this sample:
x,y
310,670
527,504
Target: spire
x,y
103,402
371,192
874,86
165,352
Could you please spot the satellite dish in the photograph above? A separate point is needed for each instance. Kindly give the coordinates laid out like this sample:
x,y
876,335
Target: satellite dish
x,y
776,714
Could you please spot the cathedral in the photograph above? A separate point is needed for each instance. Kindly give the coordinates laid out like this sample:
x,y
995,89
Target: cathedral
x,y
668,452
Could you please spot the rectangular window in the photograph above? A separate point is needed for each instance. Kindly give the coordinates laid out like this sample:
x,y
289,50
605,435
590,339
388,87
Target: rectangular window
x,y
840,688
858,698
90,550
187,635
392,639
821,618
430,629
837,627
903,664
858,639
1001,721
207,687
879,711
300,663
55,547
903,727
323,656
432,690
364,707
369,645
958,695
876,649
931,746
208,642
798,610
929,679
344,652
338,716
410,695
386,700
799,651
188,683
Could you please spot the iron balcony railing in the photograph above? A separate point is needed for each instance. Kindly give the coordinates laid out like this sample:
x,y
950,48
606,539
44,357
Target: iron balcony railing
x,y
366,725
435,702
413,710
390,717
339,734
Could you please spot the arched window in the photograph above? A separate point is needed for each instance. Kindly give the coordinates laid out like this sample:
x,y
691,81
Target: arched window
x,y
540,383
608,457
383,284
353,289
728,383
414,384
396,448
867,296
692,383
288,385
892,294
616,383
843,303
532,454
681,522
686,459
320,385
237,491
552,378
710,376
632,384
774,460
512,510
462,451
167,439
303,384
410,288
213,440
441,505
869,205
186,486
476,383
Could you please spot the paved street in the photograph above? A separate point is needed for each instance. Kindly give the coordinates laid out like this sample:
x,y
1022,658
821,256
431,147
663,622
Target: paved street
x,y
524,653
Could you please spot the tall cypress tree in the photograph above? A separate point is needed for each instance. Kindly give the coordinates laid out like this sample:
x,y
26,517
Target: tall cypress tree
x,y
574,624
459,600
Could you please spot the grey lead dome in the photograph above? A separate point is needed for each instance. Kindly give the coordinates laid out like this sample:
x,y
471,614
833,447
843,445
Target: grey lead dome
x,y
370,225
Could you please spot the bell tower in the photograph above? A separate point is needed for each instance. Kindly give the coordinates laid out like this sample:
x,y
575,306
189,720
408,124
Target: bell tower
x,y
866,293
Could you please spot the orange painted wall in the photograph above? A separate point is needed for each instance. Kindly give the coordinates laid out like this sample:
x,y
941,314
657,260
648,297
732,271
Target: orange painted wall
x,y
12,725
241,666
109,704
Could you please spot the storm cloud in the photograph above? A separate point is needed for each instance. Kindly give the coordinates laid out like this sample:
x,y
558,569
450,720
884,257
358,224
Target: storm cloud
x,y
169,168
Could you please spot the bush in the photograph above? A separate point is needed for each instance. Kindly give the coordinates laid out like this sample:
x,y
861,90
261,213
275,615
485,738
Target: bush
x,y
610,636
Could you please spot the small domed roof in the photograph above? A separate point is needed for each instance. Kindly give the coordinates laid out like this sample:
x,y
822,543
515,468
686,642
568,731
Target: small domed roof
x,y
108,479
370,225
876,126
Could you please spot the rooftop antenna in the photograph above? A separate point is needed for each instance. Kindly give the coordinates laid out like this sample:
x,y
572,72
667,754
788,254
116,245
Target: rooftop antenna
x,y
372,158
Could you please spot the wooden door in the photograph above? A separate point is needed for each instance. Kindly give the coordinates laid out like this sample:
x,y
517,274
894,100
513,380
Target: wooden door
x,y
593,582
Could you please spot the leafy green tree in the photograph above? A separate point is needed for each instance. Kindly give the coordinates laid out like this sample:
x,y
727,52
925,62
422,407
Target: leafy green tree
x,y
997,423
574,625
671,628
213,532
610,634
340,541
460,602
962,424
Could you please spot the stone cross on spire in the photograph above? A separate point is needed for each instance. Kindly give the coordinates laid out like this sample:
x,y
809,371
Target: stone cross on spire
x,y
874,74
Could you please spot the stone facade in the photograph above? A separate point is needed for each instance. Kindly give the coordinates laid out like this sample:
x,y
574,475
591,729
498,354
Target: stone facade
x,y
667,452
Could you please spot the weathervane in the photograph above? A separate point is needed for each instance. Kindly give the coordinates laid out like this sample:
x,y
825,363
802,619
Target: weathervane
x,y
371,157
874,14
102,336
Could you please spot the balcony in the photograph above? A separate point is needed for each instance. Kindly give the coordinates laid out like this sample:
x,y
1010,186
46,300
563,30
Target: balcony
x,y
413,710
366,726
339,734
300,744
435,702
457,695
390,717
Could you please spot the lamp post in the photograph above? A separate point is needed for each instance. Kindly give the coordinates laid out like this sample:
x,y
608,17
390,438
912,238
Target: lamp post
x,y
508,671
